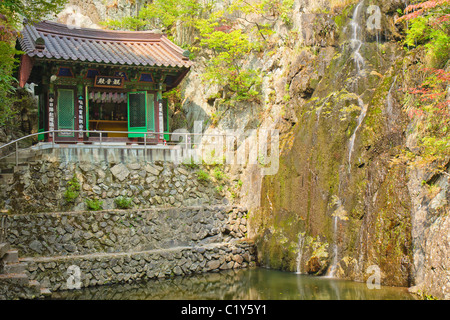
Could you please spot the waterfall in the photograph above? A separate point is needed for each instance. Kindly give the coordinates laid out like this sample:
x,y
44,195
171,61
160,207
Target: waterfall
x,y
361,118
356,43
301,241
333,267
356,40
389,103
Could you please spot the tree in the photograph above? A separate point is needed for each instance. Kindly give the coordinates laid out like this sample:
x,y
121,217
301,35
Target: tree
x,y
228,49
165,15
429,25
12,13
227,36
429,104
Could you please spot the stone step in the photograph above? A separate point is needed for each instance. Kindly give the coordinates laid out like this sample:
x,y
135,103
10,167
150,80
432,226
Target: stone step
x,y
37,287
45,292
11,167
4,248
8,163
19,279
6,177
12,256
20,167
7,169
18,267
34,284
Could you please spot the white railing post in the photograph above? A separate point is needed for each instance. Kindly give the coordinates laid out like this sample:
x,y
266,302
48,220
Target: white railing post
x,y
17,153
145,147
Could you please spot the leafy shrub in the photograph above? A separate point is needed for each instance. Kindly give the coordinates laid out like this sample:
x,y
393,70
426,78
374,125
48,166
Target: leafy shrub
x,y
218,174
123,202
202,175
73,190
94,204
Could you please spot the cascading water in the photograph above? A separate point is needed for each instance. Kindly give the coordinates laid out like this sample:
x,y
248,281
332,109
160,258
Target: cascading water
x,y
332,271
301,241
356,43
389,104
356,40
361,117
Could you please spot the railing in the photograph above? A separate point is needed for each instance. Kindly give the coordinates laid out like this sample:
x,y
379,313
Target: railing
x,y
185,140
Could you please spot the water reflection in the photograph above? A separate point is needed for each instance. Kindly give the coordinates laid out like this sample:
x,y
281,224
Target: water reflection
x,y
248,284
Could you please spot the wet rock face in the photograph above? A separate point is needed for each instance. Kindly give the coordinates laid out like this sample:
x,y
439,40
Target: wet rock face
x,y
313,266
389,215
430,234
336,160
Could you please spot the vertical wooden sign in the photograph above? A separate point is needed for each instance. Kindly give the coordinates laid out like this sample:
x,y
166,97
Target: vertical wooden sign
x,y
80,115
51,113
161,119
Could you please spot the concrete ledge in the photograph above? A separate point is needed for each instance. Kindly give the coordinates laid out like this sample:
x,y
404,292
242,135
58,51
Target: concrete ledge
x,y
4,248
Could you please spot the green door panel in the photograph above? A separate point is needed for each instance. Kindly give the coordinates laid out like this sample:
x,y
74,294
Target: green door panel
x,y
66,111
137,114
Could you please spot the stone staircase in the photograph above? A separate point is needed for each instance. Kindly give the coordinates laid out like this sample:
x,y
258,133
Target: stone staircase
x,y
14,281
8,165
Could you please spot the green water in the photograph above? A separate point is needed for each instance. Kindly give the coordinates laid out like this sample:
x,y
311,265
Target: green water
x,y
247,284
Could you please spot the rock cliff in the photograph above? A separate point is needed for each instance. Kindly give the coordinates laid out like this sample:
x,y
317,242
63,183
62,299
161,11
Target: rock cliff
x,y
344,198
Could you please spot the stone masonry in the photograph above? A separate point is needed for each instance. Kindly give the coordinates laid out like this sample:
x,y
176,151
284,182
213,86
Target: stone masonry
x,y
122,246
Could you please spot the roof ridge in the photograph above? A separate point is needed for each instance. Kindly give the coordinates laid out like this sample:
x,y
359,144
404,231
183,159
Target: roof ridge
x,y
60,29
138,48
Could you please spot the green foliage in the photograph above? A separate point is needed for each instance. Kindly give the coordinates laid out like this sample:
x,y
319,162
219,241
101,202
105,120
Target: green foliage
x,y
190,163
429,26
165,15
228,50
123,202
12,12
226,43
174,98
73,190
32,10
203,175
428,105
219,174
94,204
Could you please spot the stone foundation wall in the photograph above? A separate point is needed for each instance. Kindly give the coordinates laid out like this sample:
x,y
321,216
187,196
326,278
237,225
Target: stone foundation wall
x,y
109,231
123,246
13,288
58,273
41,185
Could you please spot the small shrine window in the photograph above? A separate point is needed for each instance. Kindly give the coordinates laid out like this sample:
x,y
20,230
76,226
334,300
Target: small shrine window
x,y
92,73
65,72
146,77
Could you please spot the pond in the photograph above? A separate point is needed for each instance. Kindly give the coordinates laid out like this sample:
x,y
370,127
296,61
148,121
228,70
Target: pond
x,y
244,284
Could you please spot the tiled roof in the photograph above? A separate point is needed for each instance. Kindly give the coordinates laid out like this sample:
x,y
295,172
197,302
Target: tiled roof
x,y
134,48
